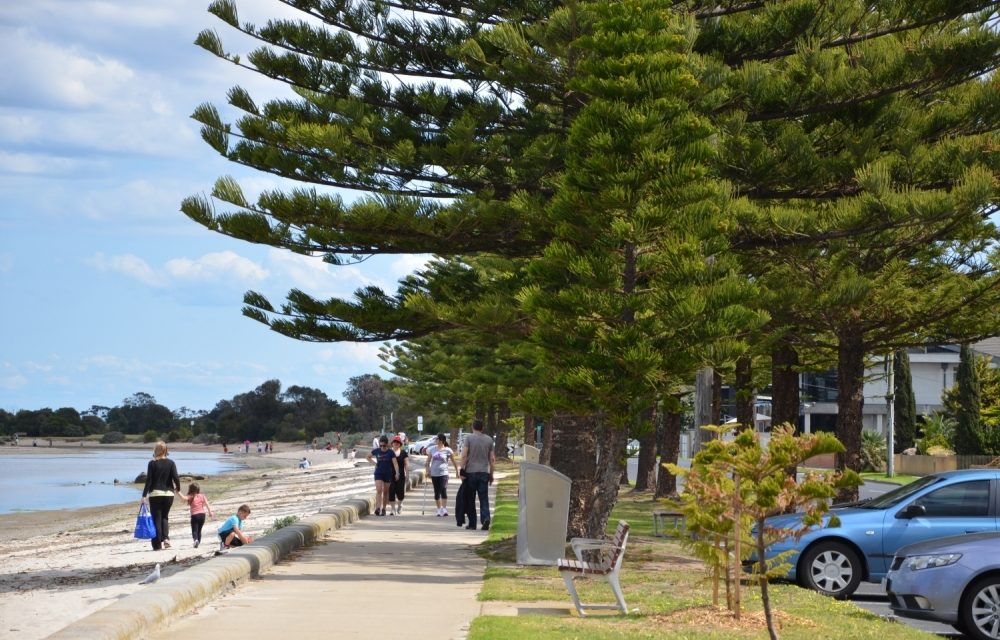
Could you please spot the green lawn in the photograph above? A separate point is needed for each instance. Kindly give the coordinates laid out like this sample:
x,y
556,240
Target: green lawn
x,y
669,589
897,478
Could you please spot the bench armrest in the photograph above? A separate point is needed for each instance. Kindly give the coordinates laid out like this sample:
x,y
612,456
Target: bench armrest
x,y
588,544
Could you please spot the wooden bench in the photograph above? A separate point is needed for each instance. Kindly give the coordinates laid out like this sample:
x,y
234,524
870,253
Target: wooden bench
x,y
611,554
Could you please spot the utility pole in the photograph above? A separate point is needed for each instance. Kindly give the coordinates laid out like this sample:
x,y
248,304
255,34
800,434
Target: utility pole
x,y
890,401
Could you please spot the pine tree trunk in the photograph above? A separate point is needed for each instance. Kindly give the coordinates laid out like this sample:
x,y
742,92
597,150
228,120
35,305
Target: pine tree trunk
x,y
669,445
502,432
645,475
785,384
608,471
765,596
746,394
850,403
545,456
604,492
574,453
529,430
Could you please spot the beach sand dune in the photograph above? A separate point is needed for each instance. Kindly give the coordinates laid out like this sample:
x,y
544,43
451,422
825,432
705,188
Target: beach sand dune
x,y
60,566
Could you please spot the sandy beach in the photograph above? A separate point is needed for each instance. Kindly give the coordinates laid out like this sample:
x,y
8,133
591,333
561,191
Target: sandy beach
x,y
59,566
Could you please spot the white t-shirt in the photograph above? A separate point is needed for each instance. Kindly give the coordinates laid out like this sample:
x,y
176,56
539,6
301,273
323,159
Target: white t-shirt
x,y
440,459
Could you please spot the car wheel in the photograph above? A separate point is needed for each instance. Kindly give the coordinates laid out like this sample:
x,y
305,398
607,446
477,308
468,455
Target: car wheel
x,y
831,568
980,609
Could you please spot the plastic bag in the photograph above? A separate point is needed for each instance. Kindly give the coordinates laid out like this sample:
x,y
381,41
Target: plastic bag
x,y
144,527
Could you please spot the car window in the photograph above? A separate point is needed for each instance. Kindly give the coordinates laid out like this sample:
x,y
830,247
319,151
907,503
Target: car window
x,y
963,499
896,496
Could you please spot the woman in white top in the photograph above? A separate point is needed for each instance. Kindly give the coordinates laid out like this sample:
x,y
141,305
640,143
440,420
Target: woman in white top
x,y
438,458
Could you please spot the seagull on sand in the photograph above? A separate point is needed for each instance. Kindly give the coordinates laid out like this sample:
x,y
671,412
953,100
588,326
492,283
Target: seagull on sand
x,y
153,577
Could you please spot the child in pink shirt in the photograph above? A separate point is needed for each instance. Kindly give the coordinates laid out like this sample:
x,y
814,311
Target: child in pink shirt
x,y
199,504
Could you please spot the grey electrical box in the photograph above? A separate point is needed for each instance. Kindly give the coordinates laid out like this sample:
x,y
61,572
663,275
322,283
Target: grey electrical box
x,y
543,515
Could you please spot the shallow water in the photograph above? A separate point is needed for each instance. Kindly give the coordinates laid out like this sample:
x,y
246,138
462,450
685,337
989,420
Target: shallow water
x,y
70,480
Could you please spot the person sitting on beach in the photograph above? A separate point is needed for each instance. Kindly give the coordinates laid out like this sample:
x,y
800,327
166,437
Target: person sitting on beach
x,y
231,532
304,463
199,505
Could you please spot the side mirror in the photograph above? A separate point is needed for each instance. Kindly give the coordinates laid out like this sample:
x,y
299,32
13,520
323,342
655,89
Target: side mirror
x,y
913,511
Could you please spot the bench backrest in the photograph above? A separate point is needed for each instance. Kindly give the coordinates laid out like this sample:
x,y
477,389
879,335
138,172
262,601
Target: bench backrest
x,y
620,539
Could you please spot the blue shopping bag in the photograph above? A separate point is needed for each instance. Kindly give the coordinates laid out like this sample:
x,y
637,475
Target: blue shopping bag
x,y
144,527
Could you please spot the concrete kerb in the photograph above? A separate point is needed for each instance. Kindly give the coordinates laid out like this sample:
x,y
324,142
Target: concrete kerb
x,y
136,614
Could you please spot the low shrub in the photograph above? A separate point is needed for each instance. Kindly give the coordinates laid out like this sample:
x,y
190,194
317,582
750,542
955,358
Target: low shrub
x,y
281,523
113,437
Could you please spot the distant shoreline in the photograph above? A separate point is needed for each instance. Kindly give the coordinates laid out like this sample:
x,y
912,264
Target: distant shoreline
x,y
19,524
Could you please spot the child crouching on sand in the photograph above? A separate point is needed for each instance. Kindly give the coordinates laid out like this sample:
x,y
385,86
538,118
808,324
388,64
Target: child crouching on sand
x,y
231,532
199,504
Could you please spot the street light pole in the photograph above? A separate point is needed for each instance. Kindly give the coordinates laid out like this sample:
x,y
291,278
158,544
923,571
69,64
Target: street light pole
x,y
890,393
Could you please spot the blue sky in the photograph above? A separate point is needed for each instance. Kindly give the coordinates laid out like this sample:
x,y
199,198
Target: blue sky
x,y
106,288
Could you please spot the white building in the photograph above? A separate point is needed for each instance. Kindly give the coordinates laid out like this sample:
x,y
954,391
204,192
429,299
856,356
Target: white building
x,y
933,369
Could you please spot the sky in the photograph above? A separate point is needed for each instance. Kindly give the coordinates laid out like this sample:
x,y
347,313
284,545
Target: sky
x,y
106,288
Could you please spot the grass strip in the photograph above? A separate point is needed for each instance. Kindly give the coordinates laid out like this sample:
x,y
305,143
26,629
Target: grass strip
x,y
669,589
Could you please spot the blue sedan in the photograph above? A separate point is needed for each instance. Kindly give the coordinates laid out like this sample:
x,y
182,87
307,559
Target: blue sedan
x,y
953,580
834,560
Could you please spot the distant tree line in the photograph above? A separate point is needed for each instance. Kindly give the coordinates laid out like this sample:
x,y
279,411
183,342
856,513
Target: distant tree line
x,y
265,413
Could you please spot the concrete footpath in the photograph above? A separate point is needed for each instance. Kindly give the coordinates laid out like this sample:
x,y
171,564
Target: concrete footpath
x,y
360,572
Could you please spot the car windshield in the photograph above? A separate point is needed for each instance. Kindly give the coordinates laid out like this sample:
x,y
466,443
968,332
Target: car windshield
x,y
894,497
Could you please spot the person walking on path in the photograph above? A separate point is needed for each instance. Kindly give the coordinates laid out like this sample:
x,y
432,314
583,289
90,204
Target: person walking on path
x,y
465,510
199,505
386,470
478,461
162,482
438,458
231,532
397,488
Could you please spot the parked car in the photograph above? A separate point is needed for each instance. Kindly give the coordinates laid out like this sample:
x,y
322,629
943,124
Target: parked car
x,y
953,580
833,560
419,447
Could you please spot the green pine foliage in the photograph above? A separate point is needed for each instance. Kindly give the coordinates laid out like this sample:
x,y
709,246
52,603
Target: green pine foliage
x,y
968,428
904,403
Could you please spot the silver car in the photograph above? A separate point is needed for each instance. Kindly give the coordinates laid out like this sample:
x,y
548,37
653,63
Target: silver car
x,y
953,580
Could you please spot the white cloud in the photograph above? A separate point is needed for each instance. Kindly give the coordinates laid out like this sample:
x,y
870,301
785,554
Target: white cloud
x,y
57,77
405,265
361,351
345,358
18,127
39,164
37,367
315,277
223,266
129,265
